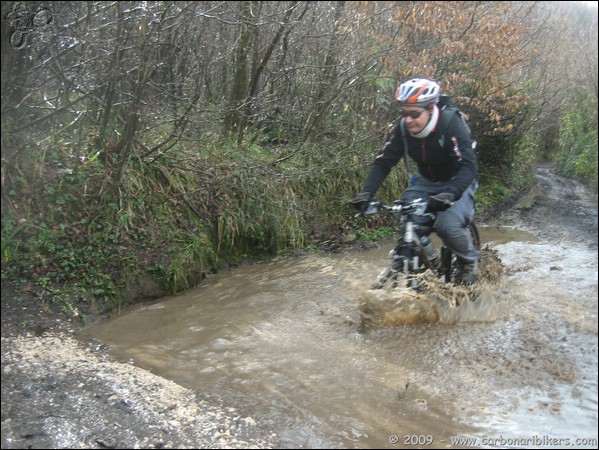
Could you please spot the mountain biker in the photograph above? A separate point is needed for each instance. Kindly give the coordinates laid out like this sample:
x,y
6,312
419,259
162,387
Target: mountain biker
x,y
439,141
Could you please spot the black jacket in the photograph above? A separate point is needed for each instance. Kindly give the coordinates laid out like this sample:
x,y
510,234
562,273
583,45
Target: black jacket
x,y
445,155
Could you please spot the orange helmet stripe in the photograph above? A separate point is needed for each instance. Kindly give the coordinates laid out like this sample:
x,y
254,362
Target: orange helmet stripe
x,y
414,98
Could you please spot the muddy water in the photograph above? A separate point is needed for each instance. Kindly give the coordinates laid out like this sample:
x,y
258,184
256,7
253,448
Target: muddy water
x,y
280,342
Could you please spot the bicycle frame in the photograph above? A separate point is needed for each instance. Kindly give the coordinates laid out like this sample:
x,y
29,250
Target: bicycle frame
x,y
410,261
413,259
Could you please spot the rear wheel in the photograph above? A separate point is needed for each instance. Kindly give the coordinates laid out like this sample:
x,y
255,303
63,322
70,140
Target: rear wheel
x,y
446,264
475,235
449,261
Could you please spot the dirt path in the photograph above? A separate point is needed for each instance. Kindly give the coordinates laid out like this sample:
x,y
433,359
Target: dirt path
x,y
57,393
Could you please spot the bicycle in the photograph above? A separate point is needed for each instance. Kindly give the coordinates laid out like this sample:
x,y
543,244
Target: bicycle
x,y
417,250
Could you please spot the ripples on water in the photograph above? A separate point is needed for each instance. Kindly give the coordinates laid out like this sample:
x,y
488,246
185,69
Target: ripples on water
x,y
282,343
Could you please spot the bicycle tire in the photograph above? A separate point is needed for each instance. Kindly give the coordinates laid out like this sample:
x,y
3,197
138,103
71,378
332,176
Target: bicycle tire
x,y
475,235
446,263
449,261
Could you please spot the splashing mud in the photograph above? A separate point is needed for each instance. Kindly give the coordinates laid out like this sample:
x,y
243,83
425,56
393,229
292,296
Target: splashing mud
x,y
436,301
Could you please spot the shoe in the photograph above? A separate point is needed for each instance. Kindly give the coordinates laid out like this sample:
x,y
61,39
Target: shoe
x,y
467,272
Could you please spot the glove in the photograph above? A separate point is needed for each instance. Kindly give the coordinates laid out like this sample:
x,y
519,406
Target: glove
x,y
441,202
361,201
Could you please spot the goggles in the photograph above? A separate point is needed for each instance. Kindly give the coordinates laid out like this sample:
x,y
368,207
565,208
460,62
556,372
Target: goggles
x,y
414,114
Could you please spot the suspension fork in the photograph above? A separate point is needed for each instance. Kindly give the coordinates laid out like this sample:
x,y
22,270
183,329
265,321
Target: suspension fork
x,y
414,246
411,235
411,240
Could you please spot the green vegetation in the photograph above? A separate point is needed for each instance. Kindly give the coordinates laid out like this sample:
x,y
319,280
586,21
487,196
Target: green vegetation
x,y
576,151
165,141
75,230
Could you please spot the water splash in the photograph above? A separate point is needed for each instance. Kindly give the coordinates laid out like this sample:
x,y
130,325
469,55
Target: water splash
x,y
436,302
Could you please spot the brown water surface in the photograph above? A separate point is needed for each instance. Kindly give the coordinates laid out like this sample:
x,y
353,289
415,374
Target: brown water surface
x,y
280,342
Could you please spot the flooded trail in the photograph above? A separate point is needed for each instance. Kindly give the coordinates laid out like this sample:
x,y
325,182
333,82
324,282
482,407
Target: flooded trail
x,y
272,356
280,341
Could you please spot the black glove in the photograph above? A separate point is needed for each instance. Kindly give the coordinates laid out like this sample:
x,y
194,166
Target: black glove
x,y
441,202
361,201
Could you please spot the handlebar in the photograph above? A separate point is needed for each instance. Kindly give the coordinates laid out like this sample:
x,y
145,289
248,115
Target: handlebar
x,y
417,207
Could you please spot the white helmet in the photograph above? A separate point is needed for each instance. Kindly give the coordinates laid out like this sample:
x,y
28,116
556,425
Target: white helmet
x,y
418,92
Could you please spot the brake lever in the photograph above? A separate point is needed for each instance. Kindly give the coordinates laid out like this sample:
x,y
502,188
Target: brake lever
x,y
373,208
